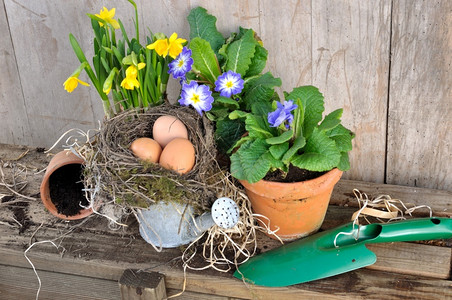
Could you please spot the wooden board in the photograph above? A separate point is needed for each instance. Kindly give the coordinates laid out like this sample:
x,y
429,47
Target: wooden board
x,y
350,63
13,112
419,133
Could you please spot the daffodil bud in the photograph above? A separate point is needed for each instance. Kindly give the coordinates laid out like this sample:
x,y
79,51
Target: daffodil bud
x,y
109,81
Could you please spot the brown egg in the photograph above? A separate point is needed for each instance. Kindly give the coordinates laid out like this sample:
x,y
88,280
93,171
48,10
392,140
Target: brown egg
x,y
146,149
167,128
178,155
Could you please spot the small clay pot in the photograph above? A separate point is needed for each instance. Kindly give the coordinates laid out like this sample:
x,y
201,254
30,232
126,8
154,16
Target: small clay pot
x,y
61,159
297,209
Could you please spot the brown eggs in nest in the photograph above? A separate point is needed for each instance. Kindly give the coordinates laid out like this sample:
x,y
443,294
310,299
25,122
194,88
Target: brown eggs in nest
x,y
178,155
166,128
146,149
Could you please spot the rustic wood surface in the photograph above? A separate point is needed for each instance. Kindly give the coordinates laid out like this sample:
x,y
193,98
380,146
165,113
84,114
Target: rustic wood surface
x,y
420,123
91,258
398,105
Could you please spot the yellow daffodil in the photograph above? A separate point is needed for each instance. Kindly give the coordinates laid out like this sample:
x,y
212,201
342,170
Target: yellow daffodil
x,y
107,16
175,45
160,46
172,46
129,83
72,82
109,81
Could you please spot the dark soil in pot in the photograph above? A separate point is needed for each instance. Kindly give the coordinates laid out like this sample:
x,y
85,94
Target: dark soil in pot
x,y
295,174
66,186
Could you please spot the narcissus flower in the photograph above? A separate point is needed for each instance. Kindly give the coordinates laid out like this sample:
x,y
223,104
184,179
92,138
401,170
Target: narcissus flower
x,y
182,64
131,82
172,46
198,96
72,82
229,83
107,16
282,114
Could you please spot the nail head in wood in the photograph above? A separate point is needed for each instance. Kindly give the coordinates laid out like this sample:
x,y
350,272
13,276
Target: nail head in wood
x,y
140,285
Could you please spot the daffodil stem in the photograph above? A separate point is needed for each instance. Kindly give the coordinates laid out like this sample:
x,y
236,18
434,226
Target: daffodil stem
x,y
136,20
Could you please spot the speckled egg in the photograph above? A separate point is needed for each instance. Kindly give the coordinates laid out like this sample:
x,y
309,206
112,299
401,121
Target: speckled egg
x,y
167,128
178,155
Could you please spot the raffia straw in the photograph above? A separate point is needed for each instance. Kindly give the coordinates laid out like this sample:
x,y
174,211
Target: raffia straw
x,y
384,208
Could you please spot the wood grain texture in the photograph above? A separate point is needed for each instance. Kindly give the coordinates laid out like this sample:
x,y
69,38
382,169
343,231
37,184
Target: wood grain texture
x,y
420,110
350,63
15,128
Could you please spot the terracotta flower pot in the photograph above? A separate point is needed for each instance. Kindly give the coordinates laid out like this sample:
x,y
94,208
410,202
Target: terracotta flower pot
x,y
60,160
298,208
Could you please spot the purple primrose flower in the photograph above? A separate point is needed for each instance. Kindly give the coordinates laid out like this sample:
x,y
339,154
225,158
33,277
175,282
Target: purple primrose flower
x,y
198,96
282,114
229,84
181,65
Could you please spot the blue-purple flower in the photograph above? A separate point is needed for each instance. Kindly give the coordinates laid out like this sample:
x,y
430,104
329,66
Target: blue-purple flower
x,y
198,96
229,84
181,65
282,114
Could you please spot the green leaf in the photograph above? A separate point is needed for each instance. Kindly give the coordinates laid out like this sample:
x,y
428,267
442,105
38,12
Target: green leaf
x,y
298,118
261,108
202,25
228,102
298,144
204,59
342,136
344,163
331,120
320,153
313,106
239,143
257,127
258,61
228,132
278,151
236,114
260,89
252,161
284,137
239,54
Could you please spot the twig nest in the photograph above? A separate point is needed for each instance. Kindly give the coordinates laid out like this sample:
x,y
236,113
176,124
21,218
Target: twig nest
x,y
139,183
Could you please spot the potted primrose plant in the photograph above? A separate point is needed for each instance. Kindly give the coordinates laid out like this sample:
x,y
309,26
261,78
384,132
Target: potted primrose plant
x,y
224,78
290,160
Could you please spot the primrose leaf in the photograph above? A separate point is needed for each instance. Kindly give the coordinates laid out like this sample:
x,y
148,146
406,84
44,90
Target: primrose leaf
x,y
252,161
331,120
258,61
342,136
313,106
228,102
284,137
320,153
344,163
228,132
260,89
298,144
204,59
278,150
257,127
203,25
239,54
236,114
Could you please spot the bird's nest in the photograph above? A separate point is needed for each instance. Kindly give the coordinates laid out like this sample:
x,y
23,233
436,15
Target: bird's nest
x,y
113,172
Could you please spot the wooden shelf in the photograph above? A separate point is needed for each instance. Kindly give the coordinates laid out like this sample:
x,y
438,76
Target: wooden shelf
x,y
91,258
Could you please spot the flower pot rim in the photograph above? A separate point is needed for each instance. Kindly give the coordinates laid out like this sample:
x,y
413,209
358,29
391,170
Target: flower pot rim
x,y
302,189
69,158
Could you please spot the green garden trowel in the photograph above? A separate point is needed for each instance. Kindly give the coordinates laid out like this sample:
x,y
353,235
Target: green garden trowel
x,y
335,251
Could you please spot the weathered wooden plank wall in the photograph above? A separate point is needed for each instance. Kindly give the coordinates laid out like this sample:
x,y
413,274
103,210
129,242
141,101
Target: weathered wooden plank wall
x,y
398,107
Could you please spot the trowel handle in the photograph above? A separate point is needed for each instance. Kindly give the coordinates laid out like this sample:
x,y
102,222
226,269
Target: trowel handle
x,y
411,230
